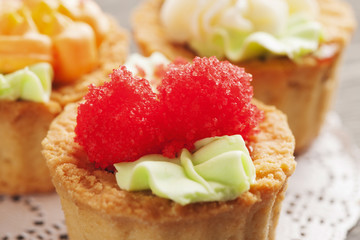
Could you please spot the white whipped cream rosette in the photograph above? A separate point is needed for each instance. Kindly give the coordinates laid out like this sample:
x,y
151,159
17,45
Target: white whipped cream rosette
x,y
244,29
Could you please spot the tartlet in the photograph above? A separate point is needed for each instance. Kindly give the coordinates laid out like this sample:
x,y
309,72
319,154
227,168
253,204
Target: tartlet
x,y
25,123
96,208
302,89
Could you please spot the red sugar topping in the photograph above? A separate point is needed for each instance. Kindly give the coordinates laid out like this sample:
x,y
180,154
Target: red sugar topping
x,y
204,99
124,120
117,122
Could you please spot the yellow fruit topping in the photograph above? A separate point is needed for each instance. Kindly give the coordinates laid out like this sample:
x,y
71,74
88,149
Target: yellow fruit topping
x,y
18,52
64,33
88,12
76,42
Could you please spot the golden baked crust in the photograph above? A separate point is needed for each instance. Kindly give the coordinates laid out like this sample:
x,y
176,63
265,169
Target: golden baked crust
x,y
89,193
302,90
338,20
24,124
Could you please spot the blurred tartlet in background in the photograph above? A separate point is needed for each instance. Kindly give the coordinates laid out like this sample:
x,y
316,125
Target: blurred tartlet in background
x,y
292,48
50,51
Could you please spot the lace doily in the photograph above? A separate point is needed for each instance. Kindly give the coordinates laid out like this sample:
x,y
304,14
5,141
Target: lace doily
x,y
322,200
323,196
32,217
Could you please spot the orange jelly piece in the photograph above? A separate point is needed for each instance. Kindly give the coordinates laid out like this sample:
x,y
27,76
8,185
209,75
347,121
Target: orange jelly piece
x,y
34,31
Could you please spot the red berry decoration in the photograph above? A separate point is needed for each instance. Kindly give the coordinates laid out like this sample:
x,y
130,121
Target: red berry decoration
x,y
117,123
124,119
204,99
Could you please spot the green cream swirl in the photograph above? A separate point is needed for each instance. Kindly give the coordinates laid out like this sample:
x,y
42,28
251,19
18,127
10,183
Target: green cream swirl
x,y
32,83
220,169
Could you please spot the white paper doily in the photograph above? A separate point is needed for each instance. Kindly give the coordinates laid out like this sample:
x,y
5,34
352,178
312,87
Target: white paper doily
x,y
323,197
32,217
322,200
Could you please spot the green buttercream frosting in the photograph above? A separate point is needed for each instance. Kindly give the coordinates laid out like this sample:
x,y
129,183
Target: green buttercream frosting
x,y
220,169
32,83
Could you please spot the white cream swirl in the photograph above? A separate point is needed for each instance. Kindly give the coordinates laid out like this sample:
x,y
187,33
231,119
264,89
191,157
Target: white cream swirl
x,y
243,29
147,67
